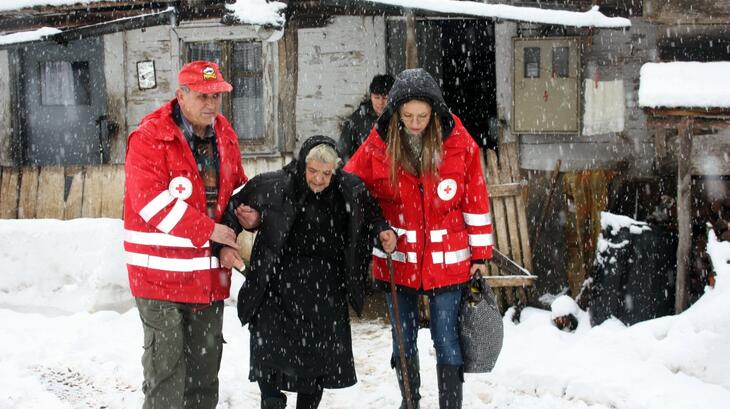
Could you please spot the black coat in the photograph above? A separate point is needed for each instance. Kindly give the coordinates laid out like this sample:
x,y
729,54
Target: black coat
x,y
275,195
357,128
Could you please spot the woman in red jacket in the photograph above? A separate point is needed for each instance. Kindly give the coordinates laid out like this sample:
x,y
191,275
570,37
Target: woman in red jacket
x,y
424,169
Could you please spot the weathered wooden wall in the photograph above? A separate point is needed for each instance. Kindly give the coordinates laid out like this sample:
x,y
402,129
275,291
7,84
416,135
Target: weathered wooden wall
x,y
70,192
687,11
6,129
336,64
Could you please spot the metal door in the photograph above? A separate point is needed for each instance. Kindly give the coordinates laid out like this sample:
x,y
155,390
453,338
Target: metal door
x,y
63,102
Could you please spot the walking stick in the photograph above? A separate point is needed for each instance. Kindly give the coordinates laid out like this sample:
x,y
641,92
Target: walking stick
x,y
399,335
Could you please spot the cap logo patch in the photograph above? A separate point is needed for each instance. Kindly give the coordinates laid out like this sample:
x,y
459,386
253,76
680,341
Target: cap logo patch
x,y
447,189
209,73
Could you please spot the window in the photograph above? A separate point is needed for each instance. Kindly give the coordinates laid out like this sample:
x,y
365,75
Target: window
x,y
241,63
532,62
65,83
561,60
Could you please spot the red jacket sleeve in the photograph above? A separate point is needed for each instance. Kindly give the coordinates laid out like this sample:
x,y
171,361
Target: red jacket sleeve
x,y
475,206
147,192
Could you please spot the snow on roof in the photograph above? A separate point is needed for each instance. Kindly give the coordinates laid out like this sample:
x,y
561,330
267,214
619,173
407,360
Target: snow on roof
x,y
685,84
258,12
21,4
25,36
591,18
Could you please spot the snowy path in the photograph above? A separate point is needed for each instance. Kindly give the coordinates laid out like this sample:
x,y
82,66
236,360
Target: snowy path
x,y
92,361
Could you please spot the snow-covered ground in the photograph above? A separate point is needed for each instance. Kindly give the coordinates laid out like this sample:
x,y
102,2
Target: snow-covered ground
x,y
72,340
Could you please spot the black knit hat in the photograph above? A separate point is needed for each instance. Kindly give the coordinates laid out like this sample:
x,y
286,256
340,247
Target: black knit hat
x,y
381,84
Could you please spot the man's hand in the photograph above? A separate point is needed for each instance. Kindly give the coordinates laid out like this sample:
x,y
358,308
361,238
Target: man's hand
x,y
480,267
388,240
248,217
230,258
224,235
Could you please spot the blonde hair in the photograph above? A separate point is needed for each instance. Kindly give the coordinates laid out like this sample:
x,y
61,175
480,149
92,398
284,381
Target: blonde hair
x,y
324,153
432,145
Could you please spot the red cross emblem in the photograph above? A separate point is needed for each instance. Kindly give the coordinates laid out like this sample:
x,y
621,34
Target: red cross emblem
x,y
180,187
447,189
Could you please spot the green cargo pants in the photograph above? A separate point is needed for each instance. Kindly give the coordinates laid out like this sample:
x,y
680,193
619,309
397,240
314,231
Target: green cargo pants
x,y
183,344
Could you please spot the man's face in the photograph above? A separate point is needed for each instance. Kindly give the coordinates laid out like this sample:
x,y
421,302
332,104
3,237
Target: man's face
x,y
318,175
199,109
379,101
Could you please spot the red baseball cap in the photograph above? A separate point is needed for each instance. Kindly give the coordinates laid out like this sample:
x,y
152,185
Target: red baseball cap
x,y
204,77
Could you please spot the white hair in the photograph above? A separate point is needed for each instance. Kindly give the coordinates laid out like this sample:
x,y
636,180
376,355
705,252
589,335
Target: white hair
x,y
324,153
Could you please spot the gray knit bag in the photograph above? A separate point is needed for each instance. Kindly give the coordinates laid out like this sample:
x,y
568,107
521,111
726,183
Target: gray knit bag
x,y
480,327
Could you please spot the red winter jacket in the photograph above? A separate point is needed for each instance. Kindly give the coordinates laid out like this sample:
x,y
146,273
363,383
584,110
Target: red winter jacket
x,y
168,254
442,223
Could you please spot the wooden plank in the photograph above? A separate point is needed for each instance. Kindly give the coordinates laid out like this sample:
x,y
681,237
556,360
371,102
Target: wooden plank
x,y
28,192
75,194
511,211
112,199
521,209
510,281
684,220
9,193
92,192
506,189
498,221
49,199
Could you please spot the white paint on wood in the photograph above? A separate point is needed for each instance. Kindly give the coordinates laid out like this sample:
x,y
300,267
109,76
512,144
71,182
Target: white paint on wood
x,y
6,130
114,72
336,64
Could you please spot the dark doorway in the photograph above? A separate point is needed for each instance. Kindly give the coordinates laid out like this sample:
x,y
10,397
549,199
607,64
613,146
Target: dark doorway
x,y
459,53
63,104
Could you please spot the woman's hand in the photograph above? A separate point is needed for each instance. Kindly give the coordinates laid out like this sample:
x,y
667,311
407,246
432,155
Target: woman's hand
x,y
388,240
248,217
230,258
480,267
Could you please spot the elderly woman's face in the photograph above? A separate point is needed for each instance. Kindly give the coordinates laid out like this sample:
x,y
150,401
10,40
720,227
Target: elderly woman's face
x,y
415,115
318,175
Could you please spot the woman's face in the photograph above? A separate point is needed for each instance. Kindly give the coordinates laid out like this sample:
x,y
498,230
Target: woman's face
x,y
415,116
318,175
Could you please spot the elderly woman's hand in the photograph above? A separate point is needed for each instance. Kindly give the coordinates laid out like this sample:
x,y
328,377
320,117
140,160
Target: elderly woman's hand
x,y
248,217
229,258
388,240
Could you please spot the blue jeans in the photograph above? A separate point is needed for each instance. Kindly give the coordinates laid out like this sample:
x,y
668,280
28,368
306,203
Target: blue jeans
x,y
444,310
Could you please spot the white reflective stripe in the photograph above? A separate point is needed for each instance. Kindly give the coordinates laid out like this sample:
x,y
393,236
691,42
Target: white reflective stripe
x,y
171,264
158,239
450,257
172,218
155,205
481,240
478,219
437,236
410,234
238,189
397,255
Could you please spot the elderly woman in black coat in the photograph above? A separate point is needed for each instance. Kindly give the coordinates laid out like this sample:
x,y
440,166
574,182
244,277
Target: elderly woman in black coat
x,y
311,255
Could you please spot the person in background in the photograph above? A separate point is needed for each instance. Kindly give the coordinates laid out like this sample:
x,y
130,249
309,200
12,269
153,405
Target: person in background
x,y
310,257
424,169
358,125
182,165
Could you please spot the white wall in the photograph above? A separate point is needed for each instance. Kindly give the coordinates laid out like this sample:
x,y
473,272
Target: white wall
x,y
336,64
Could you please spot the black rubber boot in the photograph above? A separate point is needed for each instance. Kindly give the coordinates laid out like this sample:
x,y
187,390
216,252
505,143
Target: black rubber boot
x,y
414,376
450,383
274,403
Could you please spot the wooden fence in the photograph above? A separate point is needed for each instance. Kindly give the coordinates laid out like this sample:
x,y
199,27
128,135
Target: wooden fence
x,y
510,270
57,192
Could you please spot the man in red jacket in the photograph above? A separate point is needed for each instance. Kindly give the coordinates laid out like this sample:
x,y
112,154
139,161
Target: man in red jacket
x,y
183,164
